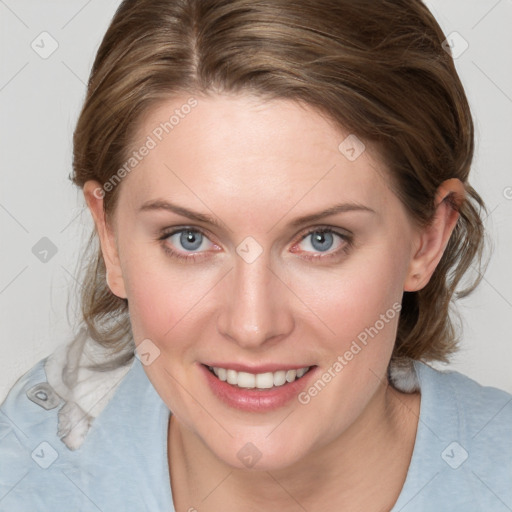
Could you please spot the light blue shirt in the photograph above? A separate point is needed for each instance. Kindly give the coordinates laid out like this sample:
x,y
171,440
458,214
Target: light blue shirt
x,y
462,458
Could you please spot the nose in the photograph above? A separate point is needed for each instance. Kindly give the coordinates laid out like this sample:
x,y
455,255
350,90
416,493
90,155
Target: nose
x,y
255,305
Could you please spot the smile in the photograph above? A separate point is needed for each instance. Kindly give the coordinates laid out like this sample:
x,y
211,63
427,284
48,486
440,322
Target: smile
x,y
265,380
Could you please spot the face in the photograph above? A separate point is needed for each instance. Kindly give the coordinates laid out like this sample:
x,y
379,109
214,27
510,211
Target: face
x,y
247,240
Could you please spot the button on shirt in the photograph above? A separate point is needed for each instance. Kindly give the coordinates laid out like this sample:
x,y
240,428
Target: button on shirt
x,y
462,458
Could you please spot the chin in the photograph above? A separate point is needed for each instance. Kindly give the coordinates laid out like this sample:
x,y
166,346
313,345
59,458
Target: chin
x,y
259,453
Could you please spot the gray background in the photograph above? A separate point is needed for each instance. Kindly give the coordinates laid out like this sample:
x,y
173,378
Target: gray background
x,y
40,100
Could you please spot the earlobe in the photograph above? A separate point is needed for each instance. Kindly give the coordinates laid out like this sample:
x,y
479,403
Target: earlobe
x,y
434,238
93,194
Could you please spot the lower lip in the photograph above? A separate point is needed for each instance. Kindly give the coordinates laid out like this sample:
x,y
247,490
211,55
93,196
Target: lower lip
x,y
256,400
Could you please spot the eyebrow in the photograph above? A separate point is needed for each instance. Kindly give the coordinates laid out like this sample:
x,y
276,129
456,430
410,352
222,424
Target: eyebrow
x,y
160,204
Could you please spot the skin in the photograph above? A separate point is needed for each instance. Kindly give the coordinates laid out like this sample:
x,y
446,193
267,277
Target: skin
x,y
255,167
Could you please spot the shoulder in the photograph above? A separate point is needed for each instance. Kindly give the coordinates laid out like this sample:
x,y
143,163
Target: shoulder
x,y
478,410
39,472
28,419
463,450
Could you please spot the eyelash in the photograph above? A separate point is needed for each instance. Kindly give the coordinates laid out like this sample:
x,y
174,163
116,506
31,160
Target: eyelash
x,y
194,256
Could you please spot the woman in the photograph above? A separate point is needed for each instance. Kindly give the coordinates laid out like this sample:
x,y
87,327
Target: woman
x,y
281,198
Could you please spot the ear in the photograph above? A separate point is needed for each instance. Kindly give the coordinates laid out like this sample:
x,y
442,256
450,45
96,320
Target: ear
x,y
434,238
93,193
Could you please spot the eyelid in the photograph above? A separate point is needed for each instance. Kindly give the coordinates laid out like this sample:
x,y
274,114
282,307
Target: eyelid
x,y
343,233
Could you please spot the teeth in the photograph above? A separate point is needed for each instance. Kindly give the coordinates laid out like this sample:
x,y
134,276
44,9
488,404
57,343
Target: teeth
x,y
259,380
291,375
222,374
279,378
301,372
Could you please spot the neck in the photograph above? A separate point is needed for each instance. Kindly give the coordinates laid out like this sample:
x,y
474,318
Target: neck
x,y
362,469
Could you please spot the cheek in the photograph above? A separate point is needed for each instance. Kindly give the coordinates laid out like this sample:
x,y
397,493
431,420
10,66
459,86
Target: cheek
x,y
353,296
360,302
161,296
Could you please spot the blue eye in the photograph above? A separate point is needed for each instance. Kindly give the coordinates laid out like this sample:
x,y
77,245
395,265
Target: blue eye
x,y
185,239
323,243
191,240
192,245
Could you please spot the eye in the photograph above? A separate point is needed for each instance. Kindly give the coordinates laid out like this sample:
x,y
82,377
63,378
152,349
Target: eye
x,y
325,242
191,244
186,243
188,239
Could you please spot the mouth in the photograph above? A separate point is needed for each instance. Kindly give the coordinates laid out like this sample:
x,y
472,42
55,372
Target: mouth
x,y
257,392
260,381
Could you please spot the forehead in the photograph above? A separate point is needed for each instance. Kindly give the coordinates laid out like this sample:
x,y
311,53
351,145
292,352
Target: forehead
x,y
266,153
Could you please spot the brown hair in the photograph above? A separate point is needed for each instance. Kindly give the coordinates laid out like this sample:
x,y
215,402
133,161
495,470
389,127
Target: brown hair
x,y
376,68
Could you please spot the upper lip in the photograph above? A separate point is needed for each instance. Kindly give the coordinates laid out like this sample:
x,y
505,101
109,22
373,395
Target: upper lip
x,y
262,368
